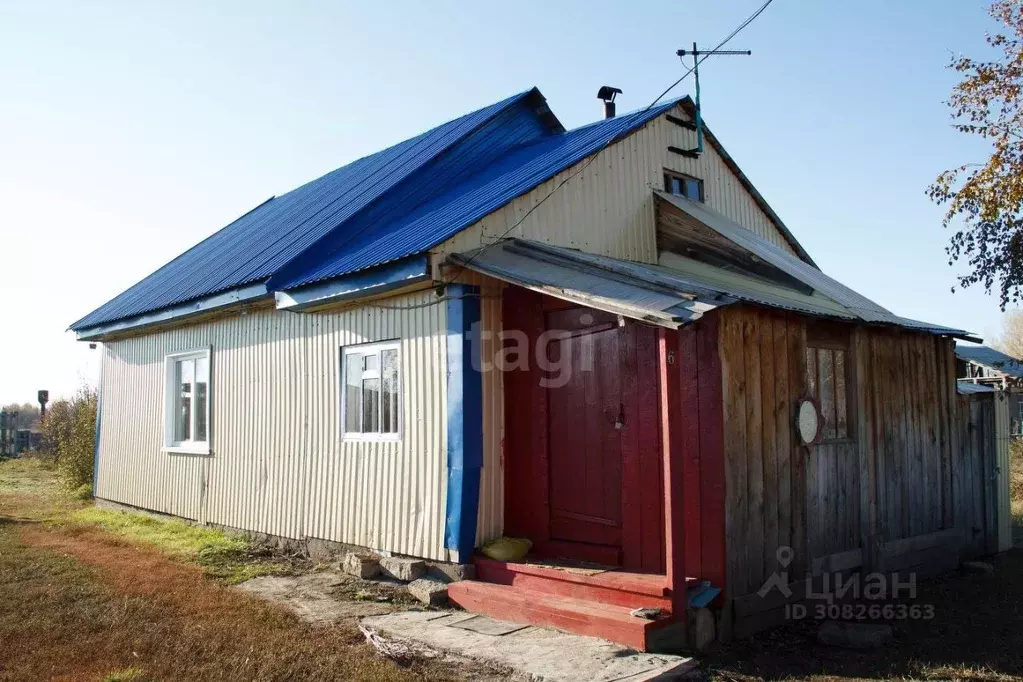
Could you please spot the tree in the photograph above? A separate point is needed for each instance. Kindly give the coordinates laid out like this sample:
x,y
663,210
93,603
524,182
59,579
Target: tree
x,y
988,197
1010,341
28,414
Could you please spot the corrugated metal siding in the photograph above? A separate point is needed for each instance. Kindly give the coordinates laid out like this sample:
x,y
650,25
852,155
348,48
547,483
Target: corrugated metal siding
x,y
278,464
608,208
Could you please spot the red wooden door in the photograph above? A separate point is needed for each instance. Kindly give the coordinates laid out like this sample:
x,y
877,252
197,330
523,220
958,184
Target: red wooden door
x,y
582,440
586,417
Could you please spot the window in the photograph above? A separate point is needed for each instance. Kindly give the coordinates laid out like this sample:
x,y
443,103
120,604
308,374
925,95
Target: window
x,y
371,391
829,380
187,402
683,185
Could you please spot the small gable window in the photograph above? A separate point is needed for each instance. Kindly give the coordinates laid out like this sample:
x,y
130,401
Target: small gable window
x,y
371,391
683,185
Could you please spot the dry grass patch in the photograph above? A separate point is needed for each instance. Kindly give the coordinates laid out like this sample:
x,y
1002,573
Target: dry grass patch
x,y
94,595
87,605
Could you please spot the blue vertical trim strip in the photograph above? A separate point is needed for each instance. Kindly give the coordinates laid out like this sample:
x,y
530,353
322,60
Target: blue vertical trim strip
x,y
99,417
465,420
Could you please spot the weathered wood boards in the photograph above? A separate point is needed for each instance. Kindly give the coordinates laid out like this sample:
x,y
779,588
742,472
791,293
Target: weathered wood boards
x,y
908,483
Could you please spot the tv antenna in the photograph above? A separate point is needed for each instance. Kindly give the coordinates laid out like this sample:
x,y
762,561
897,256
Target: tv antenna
x,y
699,56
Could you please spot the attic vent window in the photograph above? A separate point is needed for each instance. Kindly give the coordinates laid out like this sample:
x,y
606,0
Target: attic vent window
x,y
683,185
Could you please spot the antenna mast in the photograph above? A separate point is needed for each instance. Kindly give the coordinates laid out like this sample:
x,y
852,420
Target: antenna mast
x,y
696,74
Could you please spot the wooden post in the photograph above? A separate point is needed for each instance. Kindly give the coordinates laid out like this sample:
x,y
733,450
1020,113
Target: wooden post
x,y
671,452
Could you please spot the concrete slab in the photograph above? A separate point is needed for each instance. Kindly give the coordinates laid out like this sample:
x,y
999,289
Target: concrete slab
x,y
540,653
312,596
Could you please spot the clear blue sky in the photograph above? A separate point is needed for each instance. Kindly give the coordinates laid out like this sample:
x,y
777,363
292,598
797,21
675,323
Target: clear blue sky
x,y
130,131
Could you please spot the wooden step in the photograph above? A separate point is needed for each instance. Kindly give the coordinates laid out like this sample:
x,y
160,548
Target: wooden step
x,y
578,616
618,588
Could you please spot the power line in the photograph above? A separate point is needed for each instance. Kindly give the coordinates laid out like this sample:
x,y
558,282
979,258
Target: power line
x,y
593,157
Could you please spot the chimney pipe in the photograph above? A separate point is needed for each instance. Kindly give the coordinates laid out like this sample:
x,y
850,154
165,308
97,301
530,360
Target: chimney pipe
x,y
607,95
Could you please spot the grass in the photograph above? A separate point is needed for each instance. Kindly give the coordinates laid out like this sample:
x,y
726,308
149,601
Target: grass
x,y
227,556
94,595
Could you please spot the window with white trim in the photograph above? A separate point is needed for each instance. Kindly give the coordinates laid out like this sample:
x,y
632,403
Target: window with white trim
x,y
187,402
371,391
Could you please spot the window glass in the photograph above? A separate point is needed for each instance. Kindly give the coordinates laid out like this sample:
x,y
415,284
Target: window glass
x,y
827,382
694,189
185,370
389,402
371,382
202,380
353,393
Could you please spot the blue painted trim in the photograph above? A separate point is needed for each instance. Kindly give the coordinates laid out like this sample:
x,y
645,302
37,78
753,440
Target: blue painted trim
x,y
465,420
394,275
99,418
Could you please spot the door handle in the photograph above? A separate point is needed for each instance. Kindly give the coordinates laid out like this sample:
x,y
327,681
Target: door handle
x,y
620,420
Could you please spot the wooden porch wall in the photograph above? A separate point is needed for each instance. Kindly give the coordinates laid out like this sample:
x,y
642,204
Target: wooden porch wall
x,y
762,368
907,491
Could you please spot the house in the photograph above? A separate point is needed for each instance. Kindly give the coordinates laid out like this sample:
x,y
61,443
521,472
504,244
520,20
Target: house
x,y
601,339
980,366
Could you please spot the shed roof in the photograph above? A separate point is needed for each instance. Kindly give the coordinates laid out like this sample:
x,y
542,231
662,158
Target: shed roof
x,y
667,296
970,388
991,358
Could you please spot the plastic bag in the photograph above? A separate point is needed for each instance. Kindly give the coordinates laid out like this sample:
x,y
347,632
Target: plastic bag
x,y
507,549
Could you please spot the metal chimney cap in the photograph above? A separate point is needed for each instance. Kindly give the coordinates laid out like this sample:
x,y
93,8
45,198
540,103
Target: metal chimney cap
x,y
607,93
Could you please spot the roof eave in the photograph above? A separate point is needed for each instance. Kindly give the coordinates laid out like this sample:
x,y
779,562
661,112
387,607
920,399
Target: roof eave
x,y
214,303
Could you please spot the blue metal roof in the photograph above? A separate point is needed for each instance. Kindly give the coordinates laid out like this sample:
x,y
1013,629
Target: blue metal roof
x,y
487,189
268,239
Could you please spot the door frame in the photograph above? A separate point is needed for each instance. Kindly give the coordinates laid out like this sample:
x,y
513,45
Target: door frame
x,y
526,452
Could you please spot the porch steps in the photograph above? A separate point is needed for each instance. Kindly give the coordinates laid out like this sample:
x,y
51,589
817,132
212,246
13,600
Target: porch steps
x,y
578,616
617,588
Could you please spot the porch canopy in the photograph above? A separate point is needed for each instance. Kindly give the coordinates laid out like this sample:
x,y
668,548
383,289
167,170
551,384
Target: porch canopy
x,y
706,261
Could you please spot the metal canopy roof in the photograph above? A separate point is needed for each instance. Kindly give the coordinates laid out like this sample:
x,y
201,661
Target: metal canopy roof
x,y
989,357
633,290
664,295
788,267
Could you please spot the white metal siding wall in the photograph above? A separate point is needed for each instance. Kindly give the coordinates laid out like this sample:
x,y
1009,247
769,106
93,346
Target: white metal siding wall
x,y
608,208
278,464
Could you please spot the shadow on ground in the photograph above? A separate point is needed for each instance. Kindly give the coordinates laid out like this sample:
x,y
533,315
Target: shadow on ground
x,y
976,634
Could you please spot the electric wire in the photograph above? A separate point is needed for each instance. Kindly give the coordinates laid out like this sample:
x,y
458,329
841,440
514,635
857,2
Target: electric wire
x,y
593,156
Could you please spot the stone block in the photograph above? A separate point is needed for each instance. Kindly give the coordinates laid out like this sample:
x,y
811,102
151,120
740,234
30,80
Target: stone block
x,y
405,570
360,565
429,591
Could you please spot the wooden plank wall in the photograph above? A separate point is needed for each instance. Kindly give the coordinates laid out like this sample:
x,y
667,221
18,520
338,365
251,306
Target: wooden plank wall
x,y
762,366
914,465
908,385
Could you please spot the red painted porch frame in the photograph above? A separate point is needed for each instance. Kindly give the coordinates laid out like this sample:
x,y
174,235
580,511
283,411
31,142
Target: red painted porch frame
x,y
527,502
688,408
700,442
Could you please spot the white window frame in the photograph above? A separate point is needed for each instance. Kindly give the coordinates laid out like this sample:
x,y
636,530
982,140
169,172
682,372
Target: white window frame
x,y
375,347
189,447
